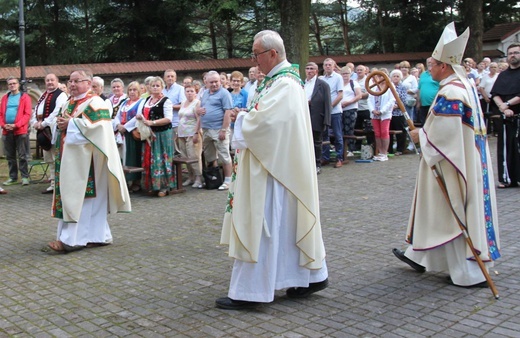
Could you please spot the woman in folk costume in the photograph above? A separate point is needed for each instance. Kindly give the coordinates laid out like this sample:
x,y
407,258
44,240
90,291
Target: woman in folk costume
x,y
132,147
454,141
156,112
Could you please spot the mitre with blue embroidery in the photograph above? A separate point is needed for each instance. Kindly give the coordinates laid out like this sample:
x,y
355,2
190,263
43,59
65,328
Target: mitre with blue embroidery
x,y
450,48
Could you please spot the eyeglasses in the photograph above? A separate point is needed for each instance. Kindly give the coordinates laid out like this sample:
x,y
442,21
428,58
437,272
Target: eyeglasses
x,y
77,81
309,68
254,56
513,53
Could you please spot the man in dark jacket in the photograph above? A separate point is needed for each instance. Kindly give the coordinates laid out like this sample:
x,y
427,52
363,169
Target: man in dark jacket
x,y
318,95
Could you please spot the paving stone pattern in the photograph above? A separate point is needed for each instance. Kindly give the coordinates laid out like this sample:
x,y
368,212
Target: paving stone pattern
x,y
165,269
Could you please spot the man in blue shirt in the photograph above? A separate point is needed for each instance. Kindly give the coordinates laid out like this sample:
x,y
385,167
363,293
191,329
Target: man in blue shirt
x,y
215,109
335,82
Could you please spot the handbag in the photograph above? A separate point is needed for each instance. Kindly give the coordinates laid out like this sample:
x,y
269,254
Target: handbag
x,y
367,152
411,102
212,177
44,137
142,132
136,134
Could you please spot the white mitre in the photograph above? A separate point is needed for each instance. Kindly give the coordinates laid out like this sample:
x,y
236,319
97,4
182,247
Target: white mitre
x,y
450,48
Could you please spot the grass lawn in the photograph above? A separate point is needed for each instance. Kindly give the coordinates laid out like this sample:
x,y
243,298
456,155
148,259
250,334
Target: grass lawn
x,y
4,171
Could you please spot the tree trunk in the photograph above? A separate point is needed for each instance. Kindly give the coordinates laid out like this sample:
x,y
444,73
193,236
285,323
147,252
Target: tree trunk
x,y
213,39
229,39
88,35
381,30
294,30
343,12
472,17
317,32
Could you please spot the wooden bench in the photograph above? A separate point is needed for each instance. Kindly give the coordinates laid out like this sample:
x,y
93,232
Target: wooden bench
x,y
131,170
351,137
355,137
360,132
178,162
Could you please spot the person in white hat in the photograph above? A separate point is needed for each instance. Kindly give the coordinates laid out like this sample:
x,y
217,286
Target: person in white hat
x,y
454,142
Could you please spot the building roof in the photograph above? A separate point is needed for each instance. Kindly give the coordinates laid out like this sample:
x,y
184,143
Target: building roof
x,y
501,32
185,67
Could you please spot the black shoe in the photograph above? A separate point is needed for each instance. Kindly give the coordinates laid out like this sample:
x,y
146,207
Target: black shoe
x,y
483,284
400,254
230,304
306,292
47,191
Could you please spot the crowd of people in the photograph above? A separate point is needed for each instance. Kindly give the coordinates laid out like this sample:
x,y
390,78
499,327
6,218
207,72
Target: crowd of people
x,y
196,114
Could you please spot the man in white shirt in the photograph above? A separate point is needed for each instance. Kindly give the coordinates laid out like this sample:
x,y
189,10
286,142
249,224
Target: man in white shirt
x,y
44,119
252,78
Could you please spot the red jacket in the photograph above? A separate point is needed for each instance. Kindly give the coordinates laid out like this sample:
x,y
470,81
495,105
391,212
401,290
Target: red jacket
x,y
22,116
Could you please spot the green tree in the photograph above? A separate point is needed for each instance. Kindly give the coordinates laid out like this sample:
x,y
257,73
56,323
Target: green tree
x,y
144,30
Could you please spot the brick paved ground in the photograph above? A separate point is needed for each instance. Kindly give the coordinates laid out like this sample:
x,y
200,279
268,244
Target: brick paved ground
x,y
161,276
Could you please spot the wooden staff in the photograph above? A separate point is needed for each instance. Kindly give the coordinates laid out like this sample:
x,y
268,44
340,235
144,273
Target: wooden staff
x,y
466,235
382,81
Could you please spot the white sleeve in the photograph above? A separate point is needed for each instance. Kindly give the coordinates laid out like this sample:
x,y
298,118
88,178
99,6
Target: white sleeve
x,y
60,101
74,136
168,109
238,141
430,154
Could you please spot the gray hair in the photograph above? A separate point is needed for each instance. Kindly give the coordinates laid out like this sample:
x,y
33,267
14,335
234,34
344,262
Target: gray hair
x,y
98,80
312,64
158,79
212,72
84,72
148,79
398,72
117,80
271,40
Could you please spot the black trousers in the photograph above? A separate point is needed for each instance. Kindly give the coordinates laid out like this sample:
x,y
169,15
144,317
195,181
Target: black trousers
x,y
317,137
508,157
398,123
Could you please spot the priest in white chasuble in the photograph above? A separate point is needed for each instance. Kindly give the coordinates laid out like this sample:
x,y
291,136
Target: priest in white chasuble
x,y
90,181
272,221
